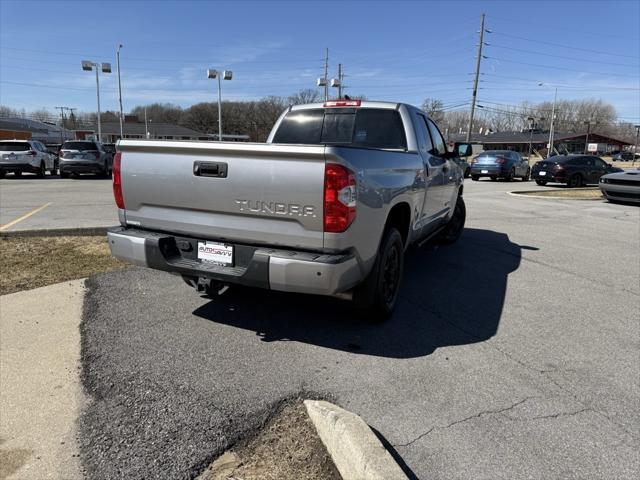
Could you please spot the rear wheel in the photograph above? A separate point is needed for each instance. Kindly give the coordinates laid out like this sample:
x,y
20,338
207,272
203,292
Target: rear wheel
x,y
64,174
475,178
376,297
575,180
467,172
2,173
494,178
527,176
41,171
17,174
542,183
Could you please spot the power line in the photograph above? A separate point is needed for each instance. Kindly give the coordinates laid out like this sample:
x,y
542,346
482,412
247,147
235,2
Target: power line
x,y
554,67
563,56
566,46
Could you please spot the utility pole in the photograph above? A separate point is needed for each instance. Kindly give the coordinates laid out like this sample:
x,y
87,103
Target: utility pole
x,y
553,117
326,73
531,124
71,115
475,83
146,125
62,126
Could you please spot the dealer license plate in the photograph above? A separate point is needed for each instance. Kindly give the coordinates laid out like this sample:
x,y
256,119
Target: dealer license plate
x,y
215,252
542,174
484,171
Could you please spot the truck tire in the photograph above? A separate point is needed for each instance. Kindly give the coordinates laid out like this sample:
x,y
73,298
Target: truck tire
x,y
452,231
376,297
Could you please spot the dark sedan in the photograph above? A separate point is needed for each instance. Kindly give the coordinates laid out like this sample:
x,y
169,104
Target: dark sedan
x,y
499,164
573,170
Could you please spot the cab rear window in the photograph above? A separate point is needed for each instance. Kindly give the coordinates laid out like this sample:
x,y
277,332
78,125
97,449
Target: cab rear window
x,y
14,147
366,127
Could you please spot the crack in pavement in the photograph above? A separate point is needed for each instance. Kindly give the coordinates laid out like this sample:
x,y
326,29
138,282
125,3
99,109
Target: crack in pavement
x,y
466,419
544,373
553,415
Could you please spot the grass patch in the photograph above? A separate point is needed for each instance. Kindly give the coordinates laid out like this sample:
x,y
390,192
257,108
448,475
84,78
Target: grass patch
x,y
288,447
31,262
570,193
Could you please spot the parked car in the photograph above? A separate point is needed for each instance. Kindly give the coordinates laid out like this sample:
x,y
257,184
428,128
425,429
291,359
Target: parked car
x,y
625,157
500,164
25,156
621,186
327,206
84,157
574,170
464,166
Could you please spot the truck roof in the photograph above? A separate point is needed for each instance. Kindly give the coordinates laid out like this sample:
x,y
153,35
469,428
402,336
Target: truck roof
x,y
349,103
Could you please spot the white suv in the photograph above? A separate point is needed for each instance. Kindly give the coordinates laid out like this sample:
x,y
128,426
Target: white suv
x,y
20,156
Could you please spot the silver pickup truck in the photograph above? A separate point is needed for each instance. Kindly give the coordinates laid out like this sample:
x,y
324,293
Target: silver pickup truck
x,y
327,206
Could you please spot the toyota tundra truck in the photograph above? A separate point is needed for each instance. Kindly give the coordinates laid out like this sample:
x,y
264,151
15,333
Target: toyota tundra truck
x,y
328,205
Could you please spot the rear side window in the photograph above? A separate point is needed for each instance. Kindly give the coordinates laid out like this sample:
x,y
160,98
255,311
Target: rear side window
x,y
367,127
14,147
79,146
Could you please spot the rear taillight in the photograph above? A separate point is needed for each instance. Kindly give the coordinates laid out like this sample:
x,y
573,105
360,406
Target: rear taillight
x,y
501,160
339,198
32,153
117,180
60,154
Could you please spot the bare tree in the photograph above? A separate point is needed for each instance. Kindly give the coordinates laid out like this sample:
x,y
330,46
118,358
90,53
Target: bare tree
x,y
307,95
433,108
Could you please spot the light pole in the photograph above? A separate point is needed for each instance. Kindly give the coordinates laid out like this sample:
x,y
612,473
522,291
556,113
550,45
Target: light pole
x,y
88,65
225,75
120,91
553,117
636,149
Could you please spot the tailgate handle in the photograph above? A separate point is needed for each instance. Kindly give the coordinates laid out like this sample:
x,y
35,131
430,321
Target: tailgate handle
x,y
210,169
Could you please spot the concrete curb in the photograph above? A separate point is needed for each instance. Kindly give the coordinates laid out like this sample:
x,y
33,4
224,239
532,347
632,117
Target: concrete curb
x,y
354,448
526,194
57,232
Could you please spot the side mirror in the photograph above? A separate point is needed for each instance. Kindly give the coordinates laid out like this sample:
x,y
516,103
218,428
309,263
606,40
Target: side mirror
x,y
462,149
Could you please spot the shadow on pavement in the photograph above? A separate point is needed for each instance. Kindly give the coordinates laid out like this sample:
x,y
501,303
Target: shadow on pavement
x,y
450,296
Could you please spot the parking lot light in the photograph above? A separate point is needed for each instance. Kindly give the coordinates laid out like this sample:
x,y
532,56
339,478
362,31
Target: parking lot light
x,y
224,75
88,65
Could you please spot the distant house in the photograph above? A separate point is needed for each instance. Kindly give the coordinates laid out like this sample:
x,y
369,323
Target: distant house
x,y
563,142
17,128
163,131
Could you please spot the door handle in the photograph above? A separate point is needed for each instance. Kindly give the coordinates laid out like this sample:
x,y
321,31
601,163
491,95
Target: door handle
x,y
210,169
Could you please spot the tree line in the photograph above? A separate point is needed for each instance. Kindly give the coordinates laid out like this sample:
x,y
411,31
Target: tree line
x,y
256,117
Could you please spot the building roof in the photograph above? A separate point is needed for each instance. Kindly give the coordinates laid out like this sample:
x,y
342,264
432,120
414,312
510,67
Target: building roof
x,y
156,129
526,137
42,131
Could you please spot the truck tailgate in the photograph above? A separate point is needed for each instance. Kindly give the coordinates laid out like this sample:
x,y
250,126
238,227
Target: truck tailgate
x,y
254,193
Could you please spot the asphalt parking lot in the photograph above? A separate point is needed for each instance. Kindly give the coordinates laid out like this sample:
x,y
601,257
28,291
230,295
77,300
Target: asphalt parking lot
x,y
47,203
512,354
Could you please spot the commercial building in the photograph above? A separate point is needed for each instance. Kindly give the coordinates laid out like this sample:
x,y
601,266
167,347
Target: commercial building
x,y
26,129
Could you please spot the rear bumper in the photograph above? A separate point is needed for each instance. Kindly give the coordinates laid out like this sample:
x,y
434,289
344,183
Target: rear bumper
x,y
549,177
487,171
81,167
263,267
19,167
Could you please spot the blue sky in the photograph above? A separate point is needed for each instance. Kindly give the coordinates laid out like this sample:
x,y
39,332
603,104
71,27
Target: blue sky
x,y
401,51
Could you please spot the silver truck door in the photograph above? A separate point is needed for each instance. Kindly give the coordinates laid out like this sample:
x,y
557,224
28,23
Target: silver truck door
x,y
449,177
433,176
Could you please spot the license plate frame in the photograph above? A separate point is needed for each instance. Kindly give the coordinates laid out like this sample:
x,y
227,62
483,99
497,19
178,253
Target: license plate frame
x,y
484,171
216,253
